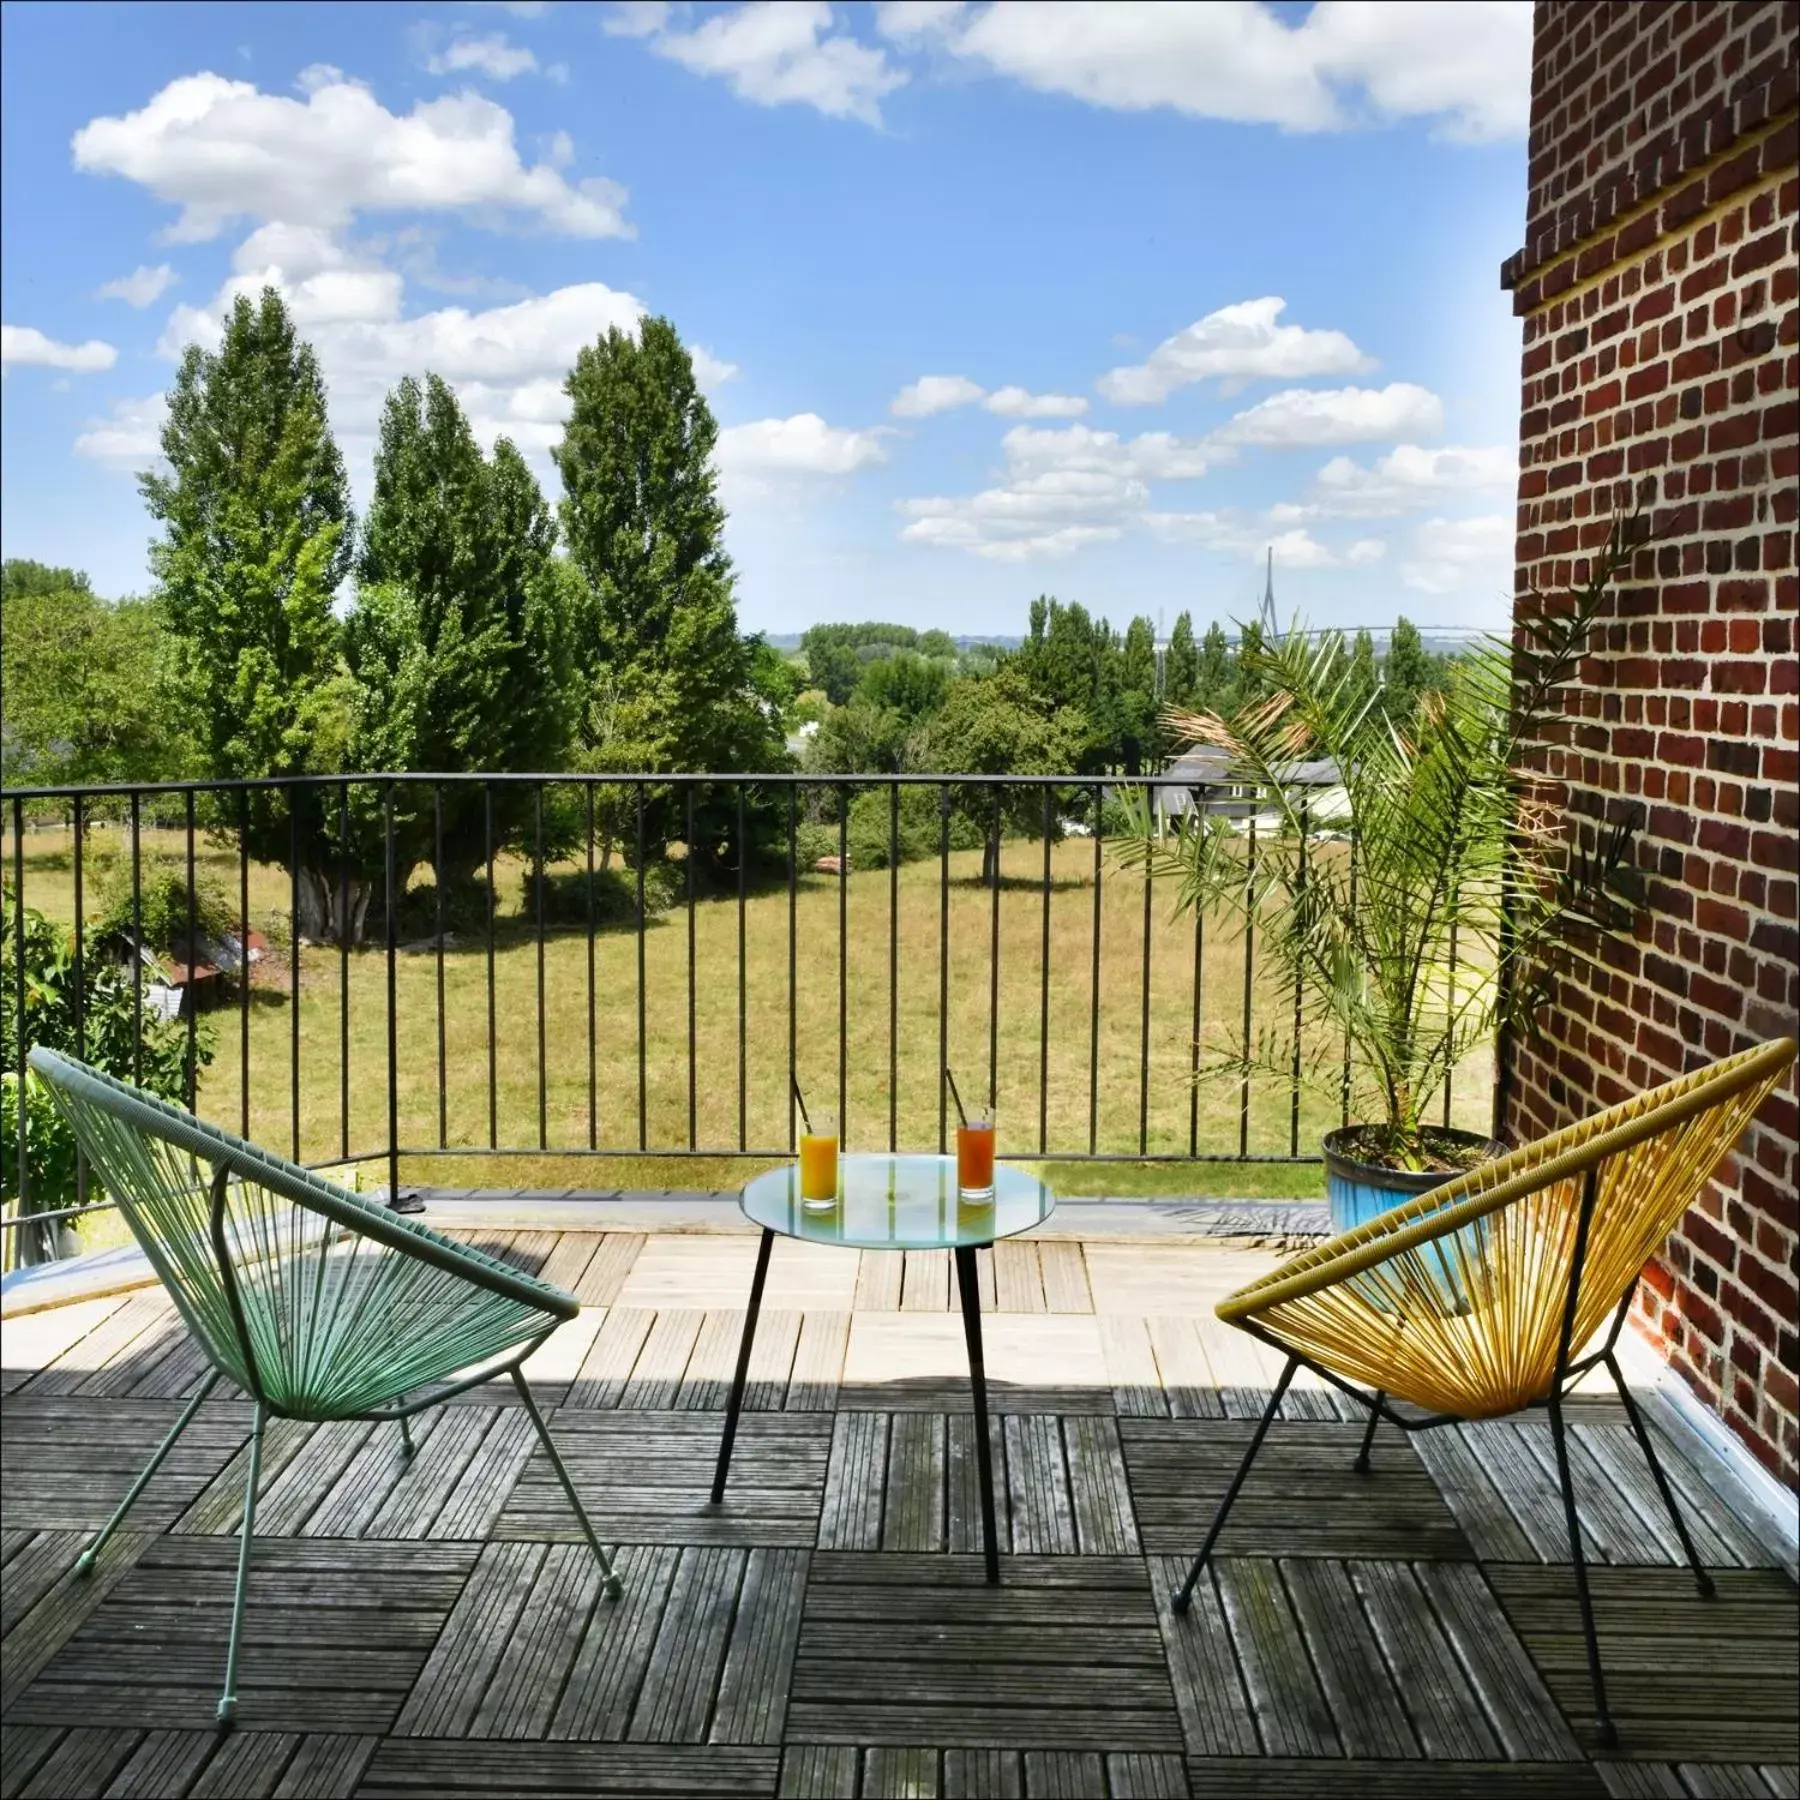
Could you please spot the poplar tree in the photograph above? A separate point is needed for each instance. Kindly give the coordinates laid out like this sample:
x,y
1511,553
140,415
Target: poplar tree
x,y
669,676
1181,665
461,643
257,531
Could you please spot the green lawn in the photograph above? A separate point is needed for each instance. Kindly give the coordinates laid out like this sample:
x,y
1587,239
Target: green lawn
x,y
1091,1060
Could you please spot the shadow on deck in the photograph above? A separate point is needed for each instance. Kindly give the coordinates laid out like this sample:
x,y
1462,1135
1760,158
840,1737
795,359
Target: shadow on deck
x,y
436,1627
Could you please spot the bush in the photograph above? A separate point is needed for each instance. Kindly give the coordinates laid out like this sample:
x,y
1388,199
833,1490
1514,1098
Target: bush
x,y
871,834
164,901
107,1031
615,894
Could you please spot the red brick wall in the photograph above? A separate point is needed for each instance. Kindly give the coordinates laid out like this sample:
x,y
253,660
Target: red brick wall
x,y
1657,287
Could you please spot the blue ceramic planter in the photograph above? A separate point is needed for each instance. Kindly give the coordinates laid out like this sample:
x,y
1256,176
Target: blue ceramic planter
x,y
1360,1191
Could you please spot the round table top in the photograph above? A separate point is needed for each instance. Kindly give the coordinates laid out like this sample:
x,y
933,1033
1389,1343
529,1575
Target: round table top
x,y
898,1203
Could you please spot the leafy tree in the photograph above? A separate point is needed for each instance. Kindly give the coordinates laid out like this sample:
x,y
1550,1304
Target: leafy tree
x,y
912,686
1409,670
1139,738
461,645
20,578
84,686
670,679
1213,678
1181,665
256,521
999,726
938,644
1364,674
1069,660
832,664
1251,676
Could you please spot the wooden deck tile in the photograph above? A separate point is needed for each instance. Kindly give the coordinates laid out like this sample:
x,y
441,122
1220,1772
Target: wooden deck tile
x,y
1065,1277
1302,1497
606,1369
607,1270
909,1669
449,1692
647,1478
164,1763
1687,1678
1445,1713
84,1761
337,1631
416,1769
67,1461
32,1343
984,1775
753,1686
819,1771
819,1361
1271,1778
771,1361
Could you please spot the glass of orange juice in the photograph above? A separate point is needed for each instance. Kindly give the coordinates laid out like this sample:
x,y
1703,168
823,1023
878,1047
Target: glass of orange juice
x,y
975,1157
819,1162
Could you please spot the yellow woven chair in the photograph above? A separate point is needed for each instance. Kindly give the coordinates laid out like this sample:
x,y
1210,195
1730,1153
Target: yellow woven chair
x,y
1483,1296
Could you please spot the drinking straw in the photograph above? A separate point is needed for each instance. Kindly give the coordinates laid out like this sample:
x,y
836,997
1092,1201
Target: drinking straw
x,y
961,1111
799,1102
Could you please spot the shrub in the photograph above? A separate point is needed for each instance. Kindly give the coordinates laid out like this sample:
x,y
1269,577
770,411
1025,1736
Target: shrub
x,y
920,836
615,894
164,901
106,1042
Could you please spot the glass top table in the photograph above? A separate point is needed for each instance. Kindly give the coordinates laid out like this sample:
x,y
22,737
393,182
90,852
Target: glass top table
x,y
894,1203
898,1203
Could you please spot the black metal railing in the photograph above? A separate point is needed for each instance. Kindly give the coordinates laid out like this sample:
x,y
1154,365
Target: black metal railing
x,y
642,1042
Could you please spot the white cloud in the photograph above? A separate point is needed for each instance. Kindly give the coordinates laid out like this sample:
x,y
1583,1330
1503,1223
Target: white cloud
x,y
1238,535
1233,345
1061,488
495,56
935,394
1019,403
130,437
774,53
1464,62
24,346
1467,62
801,445
940,393
1302,416
1462,556
1408,477
223,150
140,287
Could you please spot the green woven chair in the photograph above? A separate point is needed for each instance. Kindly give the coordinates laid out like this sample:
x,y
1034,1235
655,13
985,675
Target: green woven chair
x,y
316,1303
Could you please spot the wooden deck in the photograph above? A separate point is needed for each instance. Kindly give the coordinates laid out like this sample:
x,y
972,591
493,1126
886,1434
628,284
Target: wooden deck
x,y
435,1628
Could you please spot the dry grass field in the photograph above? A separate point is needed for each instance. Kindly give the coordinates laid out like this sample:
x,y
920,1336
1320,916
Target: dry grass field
x,y
1099,1080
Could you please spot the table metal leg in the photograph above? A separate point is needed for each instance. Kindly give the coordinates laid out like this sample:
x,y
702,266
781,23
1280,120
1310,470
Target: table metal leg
x,y
968,1283
738,1380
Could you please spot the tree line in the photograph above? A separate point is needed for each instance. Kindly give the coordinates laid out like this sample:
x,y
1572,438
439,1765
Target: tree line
x,y
467,623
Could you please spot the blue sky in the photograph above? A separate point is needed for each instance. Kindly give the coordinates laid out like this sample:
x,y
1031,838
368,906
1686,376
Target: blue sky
x,y
990,300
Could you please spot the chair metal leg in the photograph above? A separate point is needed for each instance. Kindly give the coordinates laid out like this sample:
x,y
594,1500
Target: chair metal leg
x,y
612,1585
735,1405
1603,1725
246,1530
1361,1465
84,1563
1702,1579
407,1446
968,1283
1184,1594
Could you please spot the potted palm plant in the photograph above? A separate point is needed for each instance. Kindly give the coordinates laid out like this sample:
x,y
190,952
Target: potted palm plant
x,y
1449,900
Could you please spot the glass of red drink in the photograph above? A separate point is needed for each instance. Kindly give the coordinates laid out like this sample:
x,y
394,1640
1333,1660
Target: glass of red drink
x,y
975,1158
